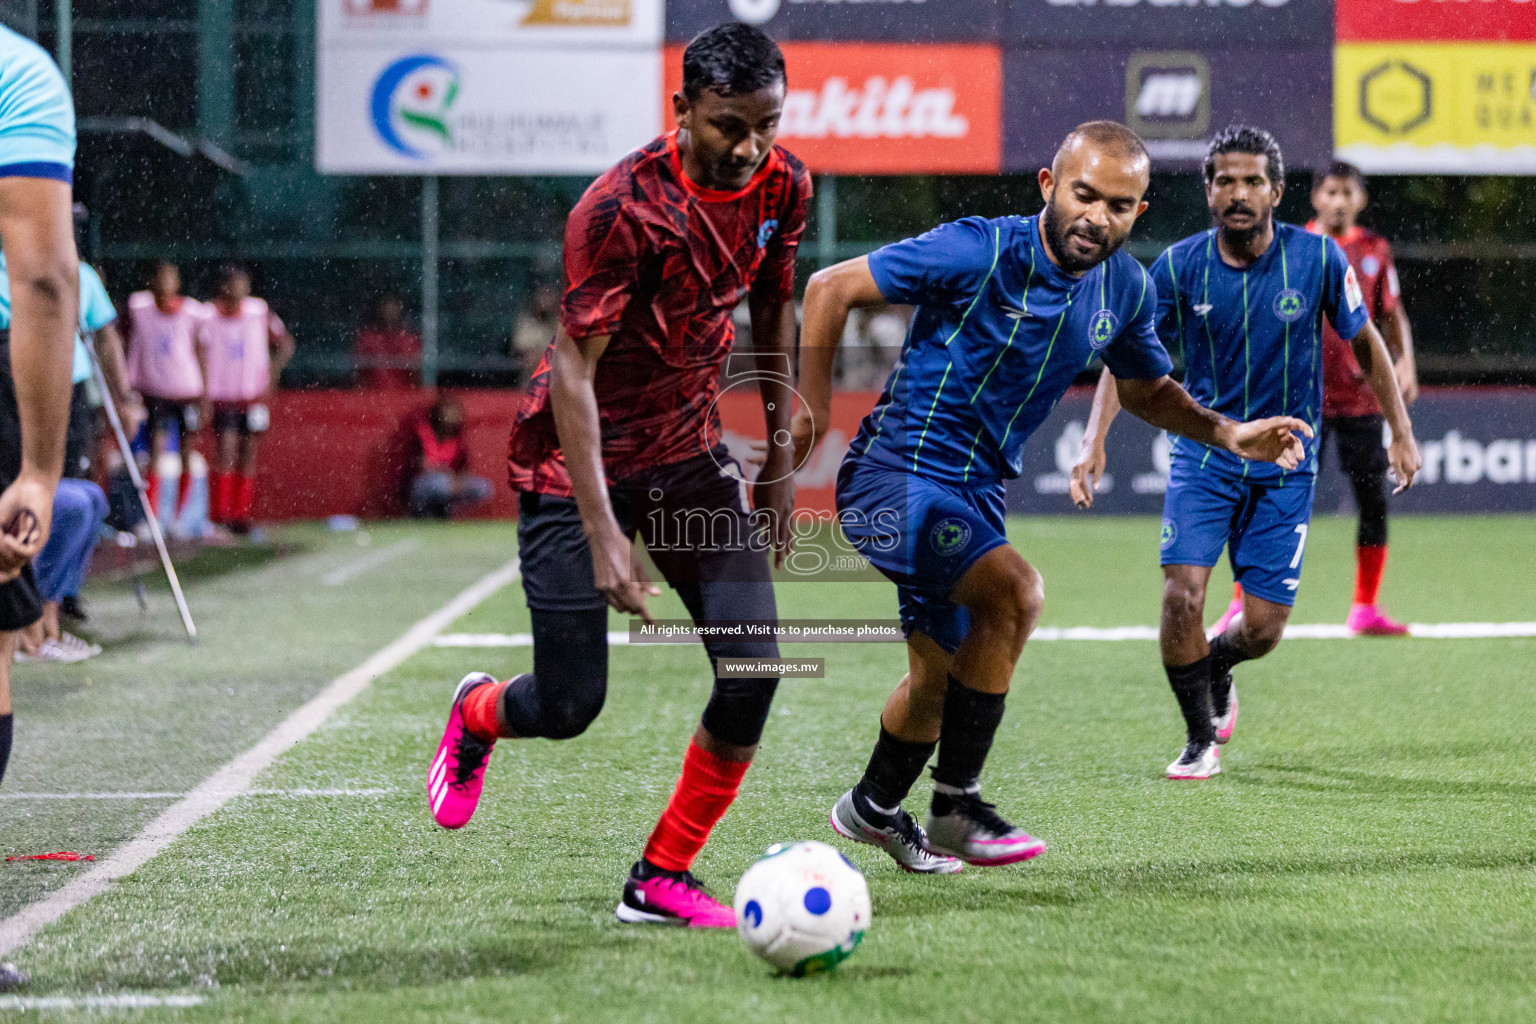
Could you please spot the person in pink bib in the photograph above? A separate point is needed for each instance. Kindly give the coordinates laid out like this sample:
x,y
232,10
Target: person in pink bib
x,y
165,366
244,347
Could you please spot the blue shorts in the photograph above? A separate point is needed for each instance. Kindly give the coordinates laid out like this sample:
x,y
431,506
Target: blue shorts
x,y
1262,524
921,534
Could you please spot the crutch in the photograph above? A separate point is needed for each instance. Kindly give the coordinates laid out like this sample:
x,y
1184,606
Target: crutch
x,y
138,484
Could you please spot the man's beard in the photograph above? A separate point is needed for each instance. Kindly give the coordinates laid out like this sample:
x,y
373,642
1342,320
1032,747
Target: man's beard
x,y
1057,234
1242,237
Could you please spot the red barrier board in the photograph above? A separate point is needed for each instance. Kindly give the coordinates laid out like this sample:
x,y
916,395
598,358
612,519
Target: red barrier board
x,y
348,452
1436,20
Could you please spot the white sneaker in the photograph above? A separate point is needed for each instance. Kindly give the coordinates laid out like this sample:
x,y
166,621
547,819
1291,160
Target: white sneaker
x,y
71,648
1198,761
897,834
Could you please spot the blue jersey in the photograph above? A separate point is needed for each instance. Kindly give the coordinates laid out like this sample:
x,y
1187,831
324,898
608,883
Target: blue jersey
x,y
37,118
1251,340
998,336
96,312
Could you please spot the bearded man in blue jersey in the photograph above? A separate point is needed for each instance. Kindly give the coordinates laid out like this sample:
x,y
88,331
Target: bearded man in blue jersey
x,y
1243,305
1009,311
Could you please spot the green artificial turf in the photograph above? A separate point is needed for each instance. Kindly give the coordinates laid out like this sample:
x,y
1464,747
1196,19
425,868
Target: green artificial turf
x,y
1367,855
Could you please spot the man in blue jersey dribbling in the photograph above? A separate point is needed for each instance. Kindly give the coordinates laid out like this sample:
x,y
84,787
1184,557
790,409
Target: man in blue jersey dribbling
x,y
1243,304
1009,311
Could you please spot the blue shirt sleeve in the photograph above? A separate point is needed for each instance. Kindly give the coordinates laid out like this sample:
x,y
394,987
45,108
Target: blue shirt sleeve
x,y
1136,353
1343,301
95,305
1169,318
948,264
37,116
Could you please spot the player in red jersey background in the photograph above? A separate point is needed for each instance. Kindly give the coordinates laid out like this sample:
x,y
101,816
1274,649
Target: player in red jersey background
x,y
1351,415
618,436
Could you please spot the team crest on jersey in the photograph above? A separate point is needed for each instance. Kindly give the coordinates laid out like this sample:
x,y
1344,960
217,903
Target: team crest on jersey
x,y
950,536
1290,305
765,232
1371,265
1169,535
1102,329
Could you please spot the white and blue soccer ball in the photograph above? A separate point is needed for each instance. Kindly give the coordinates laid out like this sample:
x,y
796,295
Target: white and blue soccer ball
x,y
803,907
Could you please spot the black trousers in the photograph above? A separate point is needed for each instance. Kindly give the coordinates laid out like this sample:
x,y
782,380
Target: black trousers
x,y
1364,460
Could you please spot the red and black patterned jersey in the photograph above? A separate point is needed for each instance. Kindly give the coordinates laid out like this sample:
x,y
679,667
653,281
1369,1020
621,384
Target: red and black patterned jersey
x,y
659,264
1346,390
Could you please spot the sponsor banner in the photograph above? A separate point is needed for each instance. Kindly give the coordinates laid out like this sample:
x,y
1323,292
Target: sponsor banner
x,y
474,111
1478,445
1201,24
1174,98
1436,20
498,23
885,108
896,21
1437,108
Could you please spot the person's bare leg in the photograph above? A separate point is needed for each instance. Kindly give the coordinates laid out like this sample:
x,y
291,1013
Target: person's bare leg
x,y
1252,636
1187,662
915,709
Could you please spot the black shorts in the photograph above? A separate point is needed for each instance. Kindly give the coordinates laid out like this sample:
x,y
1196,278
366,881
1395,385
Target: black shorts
x,y
245,418
1358,439
162,412
695,522
20,603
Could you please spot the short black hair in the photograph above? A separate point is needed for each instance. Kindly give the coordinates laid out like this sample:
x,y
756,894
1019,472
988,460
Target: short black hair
x,y
1242,138
1339,169
731,59
1110,135
227,272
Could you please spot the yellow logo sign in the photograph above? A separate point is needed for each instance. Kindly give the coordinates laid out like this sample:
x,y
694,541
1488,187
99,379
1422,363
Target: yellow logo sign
x,y
1444,100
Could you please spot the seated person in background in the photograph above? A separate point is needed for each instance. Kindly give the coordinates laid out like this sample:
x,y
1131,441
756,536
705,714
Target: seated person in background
x,y
441,484
386,355
79,508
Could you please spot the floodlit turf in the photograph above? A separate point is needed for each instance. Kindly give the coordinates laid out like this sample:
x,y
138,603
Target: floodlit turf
x,y
1368,854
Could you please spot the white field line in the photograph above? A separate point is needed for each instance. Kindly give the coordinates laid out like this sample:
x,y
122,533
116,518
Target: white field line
x,y
121,1001
179,793
1300,631
234,779
355,568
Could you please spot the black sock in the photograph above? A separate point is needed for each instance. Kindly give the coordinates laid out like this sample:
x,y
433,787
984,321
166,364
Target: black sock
x,y
7,721
1192,686
893,768
1224,656
971,719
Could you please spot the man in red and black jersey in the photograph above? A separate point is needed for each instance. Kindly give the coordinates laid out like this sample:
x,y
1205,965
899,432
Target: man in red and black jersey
x,y
618,435
1351,415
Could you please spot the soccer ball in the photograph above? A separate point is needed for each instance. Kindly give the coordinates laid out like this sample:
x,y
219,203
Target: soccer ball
x,y
803,907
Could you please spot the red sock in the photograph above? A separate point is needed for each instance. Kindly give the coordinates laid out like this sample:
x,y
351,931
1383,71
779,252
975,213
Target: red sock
x,y
479,711
183,488
1237,591
704,793
244,498
152,489
216,496
1370,560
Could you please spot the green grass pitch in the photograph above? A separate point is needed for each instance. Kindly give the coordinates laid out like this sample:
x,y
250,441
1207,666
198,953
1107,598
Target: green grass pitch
x,y
1368,854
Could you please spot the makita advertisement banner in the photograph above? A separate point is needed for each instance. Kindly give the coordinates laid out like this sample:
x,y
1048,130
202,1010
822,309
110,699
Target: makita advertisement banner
x,y
1173,97
893,21
1478,444
882,108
